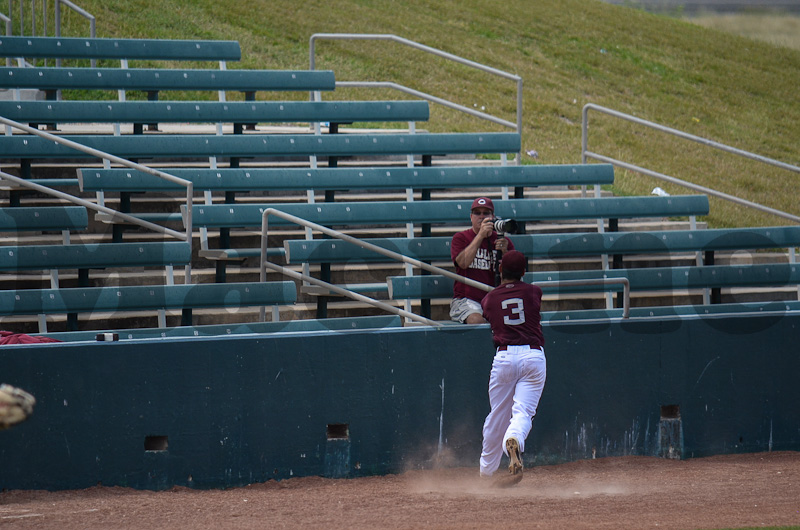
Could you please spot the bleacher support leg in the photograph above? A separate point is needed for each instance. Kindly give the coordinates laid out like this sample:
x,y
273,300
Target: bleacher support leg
x,y
220,272
83,281
519,193
249,95
425,303
716,292
221,275
152,95
51,95
322,301
125,207
325,268
15,196
616,259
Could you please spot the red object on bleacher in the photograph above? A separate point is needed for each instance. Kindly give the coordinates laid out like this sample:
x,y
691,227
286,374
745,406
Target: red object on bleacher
x,y
9,337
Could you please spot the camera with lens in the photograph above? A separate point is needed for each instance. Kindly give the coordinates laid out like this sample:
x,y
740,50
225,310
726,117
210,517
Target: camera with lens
x,y
502,226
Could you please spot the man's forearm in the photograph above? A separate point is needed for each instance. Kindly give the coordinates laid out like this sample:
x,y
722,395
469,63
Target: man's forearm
x,y
467,256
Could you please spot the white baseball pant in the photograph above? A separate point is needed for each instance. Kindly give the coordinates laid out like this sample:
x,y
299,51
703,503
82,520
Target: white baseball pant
x,y
515,387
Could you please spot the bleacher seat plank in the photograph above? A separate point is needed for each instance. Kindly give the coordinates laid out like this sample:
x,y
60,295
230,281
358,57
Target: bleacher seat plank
x,y
343,178
104,48
145,297
157,79
212,111
439,286
556,245
695,277
254,145
34,218
645,279
94,255
585,244
682,311
338,251
340,324
451,211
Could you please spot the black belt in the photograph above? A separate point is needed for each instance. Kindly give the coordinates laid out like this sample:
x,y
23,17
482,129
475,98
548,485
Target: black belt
x,y
504,347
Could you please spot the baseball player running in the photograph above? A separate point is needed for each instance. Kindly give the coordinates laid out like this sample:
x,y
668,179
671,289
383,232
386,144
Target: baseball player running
x,y
519,368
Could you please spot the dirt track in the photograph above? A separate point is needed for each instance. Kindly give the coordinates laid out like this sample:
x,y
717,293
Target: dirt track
x,y
631,492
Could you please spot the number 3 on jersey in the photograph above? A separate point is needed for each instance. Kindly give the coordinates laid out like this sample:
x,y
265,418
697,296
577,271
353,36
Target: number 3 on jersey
x,y
517,308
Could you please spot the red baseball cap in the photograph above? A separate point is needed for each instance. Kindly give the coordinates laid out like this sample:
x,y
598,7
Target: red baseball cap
x,y
514,262
482,202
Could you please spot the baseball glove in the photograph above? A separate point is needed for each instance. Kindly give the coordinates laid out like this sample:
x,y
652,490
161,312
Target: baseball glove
x,y
15,406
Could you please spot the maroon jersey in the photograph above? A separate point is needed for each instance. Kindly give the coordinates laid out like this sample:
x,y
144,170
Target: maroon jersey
x,y
482,267
513,312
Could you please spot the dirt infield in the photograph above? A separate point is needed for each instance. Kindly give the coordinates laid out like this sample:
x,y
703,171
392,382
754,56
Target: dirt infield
x,y
755,490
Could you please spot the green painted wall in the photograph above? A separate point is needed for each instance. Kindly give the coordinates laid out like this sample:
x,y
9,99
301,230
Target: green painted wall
x,y
237,410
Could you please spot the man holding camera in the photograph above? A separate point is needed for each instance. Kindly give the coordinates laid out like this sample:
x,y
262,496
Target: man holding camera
x,y
475,255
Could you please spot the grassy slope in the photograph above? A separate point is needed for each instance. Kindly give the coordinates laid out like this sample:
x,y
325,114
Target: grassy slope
x,y
775,27
569,52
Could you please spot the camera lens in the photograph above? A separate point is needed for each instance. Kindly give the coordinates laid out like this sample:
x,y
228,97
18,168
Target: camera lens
x,y
505,225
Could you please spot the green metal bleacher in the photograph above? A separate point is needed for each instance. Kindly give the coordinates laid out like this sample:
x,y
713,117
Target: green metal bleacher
x,y
454,211
439,211
27,148
124,50
262,145
94,255
566,245
39,218
186,297
776,308
170,79
347,178
396,178
72,301
266,146
82,256
644,279
130,49
212,111
560,245
341,324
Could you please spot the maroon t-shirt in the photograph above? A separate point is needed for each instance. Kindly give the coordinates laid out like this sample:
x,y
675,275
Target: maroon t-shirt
x,y
513,312
482,267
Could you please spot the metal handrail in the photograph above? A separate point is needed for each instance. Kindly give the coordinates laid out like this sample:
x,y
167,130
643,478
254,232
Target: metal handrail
x,y
625,282
439,53
429,97
585,153
7,21
9,29
82,12
265,263
115,215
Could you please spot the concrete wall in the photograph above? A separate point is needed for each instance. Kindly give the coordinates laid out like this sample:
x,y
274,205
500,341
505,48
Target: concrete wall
x,y
235,410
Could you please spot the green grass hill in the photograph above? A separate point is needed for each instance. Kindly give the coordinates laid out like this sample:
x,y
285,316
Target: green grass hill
x,y
716,85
